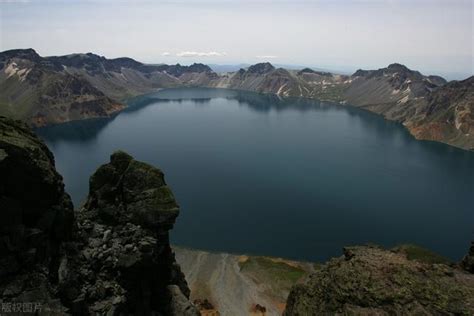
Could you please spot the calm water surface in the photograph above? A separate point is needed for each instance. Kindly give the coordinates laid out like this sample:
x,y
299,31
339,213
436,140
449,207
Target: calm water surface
x,y
291,178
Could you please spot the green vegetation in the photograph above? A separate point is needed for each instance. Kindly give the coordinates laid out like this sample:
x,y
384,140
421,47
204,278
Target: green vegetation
x,y
279,275
417,253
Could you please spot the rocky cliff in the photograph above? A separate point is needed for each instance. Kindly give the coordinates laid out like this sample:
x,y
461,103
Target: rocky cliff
x,y
36,218
111,257
372,281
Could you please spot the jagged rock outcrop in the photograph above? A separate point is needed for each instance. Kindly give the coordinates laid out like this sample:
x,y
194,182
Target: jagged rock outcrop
x,y
372,281
36,217
467,262
111,257
122,261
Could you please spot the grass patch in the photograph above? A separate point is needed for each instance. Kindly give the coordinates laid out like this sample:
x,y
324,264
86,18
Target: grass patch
x,y
414,252
266,269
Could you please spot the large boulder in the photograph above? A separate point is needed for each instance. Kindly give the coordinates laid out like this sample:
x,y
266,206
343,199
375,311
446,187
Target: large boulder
x,y
373,281
36,215
121,262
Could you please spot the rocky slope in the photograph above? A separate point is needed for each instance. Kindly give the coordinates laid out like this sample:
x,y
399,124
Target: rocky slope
x,y
112,257
372,281
265,78
238,284
430,108
50,90
445,115
120,78
34,91
385,87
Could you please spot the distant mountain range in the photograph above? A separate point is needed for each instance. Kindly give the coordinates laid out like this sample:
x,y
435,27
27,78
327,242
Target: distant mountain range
x,y
50,90
218,68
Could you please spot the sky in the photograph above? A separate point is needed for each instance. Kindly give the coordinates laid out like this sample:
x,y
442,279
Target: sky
x,y
432,36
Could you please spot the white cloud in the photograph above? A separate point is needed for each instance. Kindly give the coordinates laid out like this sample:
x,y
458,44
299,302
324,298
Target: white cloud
x,y
200,54
266,56
165,54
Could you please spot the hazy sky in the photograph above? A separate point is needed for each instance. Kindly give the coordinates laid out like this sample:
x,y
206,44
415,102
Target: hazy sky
x,y
435,37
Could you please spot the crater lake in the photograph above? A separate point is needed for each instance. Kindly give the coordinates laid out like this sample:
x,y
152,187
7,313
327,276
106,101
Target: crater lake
x,y
292,178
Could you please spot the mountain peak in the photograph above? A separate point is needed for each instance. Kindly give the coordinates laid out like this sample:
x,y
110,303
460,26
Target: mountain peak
x,y
306,70
361,73
398,67
311,71
199,67
391,69
261,68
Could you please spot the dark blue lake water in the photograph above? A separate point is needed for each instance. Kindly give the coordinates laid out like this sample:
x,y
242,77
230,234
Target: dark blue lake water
x,y
290,178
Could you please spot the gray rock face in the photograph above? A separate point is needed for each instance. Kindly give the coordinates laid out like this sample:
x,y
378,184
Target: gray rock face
x,y
112,257
179,304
